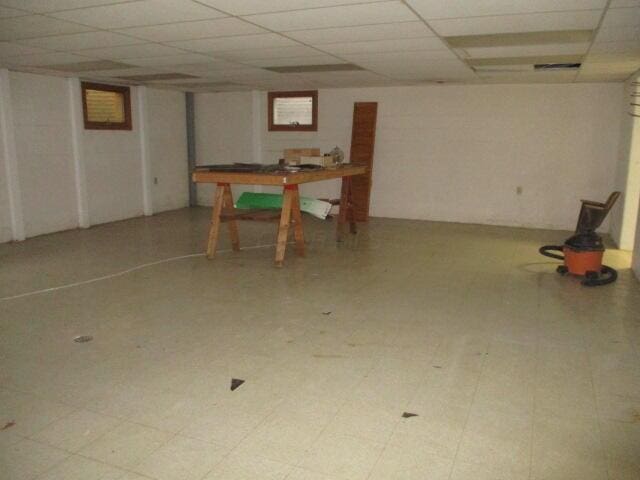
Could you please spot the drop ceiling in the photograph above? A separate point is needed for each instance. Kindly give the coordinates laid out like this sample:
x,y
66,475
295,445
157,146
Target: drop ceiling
x,y
227,45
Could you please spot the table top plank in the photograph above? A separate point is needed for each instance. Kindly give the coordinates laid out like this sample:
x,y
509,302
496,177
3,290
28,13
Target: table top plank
x,y
277,178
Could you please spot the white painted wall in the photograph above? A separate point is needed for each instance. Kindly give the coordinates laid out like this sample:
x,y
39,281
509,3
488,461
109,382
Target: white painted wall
x,y
43,147
113,171
224,133
458,153
55,161
167,149
624,215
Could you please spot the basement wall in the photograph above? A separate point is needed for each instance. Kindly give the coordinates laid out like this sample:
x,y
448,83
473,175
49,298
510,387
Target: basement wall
x,y
68,176
449,153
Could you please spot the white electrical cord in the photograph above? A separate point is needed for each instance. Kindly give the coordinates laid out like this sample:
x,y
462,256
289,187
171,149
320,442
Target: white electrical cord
x,y
123,272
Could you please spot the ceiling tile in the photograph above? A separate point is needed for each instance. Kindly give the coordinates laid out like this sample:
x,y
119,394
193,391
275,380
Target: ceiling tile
x,y
117,72
219,27
399,58
50,58
93,65
248,7
184,59
139,13
44,6
11,12
431,71
624,3
35,26
343,16
615,47
132,51
77,41
13,49
291,61
601,77
622,17
267,53
346,79
618,34
535,22
525,50
434,9
362,33
530,77
240,42
381,46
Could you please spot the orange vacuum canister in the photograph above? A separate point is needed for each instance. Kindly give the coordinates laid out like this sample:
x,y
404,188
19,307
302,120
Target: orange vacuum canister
x,y
582,253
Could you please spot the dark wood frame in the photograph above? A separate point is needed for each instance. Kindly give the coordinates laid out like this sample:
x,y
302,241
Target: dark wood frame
x,y
126,93
294,128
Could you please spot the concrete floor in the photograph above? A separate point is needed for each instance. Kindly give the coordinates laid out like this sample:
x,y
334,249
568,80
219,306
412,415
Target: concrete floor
x,y
513,371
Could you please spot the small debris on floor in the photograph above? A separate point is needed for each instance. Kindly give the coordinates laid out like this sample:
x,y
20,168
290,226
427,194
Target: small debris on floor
x,y
409,415
235,383
83,338
326,313
8,425
437,366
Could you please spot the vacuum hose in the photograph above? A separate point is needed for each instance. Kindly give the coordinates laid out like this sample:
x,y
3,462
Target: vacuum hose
x,y
545,251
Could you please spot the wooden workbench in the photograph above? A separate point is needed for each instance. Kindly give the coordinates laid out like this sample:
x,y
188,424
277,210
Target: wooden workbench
x,y
224,211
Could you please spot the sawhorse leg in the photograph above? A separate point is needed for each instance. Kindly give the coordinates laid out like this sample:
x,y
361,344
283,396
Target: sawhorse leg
x,y
290,214
222,201
346,214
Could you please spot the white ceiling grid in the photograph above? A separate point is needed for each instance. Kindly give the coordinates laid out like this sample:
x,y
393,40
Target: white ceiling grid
x,y
394,42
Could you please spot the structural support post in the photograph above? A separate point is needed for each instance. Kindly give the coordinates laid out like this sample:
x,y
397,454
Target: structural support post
x,y
143,122
191,146
77,127
7,130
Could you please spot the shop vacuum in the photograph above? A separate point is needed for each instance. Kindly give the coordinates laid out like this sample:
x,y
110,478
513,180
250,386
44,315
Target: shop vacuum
x,y
582,253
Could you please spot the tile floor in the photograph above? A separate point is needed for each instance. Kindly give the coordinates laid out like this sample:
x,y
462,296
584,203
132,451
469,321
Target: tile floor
x,y
513,371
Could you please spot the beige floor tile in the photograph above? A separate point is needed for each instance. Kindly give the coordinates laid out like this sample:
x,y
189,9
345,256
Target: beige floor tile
x,y
464,470
29,413
302,474
622,446
80,468
437,429
27,459
76,430
479,322
223,425
282,438
567,448
249,467
501,442
401,463
182,458
342,456
126,445
358,418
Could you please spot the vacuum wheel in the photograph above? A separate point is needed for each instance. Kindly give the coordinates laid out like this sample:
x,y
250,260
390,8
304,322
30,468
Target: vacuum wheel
x,y
562,269
591,275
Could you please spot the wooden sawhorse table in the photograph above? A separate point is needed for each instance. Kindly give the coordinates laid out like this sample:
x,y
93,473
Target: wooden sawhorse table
x,y
224,211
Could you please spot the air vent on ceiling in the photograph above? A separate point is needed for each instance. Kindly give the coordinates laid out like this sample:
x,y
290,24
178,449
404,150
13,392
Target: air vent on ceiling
x,y
556,66
337,67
